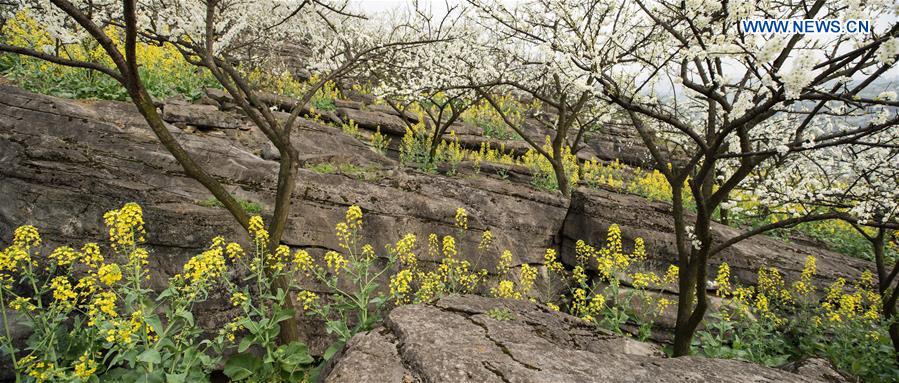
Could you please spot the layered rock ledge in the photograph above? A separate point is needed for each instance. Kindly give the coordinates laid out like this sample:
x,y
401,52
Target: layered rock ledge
x,y
459,339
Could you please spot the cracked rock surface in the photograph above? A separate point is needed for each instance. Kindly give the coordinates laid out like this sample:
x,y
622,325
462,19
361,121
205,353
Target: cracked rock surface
x,y
458,339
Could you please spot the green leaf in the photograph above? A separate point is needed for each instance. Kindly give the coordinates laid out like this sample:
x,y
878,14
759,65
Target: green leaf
x,y
245,343
176,378
332,349
242,366
166,293
153,320
283,315
150,356
296,354
187,315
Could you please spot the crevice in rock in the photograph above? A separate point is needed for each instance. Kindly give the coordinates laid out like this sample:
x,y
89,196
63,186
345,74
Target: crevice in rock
x,y
490,367
501,346
399,343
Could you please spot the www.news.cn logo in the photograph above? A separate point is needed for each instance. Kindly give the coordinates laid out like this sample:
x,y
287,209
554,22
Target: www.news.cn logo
x,y
804,26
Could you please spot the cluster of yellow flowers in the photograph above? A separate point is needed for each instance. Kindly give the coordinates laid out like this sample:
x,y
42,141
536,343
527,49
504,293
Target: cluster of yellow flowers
x,y
596,174
862,303
336,261
109,274
124,332
404,251
451,152
163,68
239,299
104,304
593,300
86,366
126,226
62,292
400,286
486,153
542,170
308,298
771,300
277,259
671,274
39,370
611,259
258,231
453,274
803,287
506,287
722,280
587,306
551,261
18,255
206,267
64,256
462,218
230,329
303,261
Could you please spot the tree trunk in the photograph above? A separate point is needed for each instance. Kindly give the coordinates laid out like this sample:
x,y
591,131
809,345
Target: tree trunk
x,y
289,329
890,313
435,142
561,176
692,277
684,329
885,280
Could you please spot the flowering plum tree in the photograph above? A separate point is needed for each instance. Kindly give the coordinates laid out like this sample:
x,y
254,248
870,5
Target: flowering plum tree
x,y
710,102
428,79
213,34
857,183
735,101
537,41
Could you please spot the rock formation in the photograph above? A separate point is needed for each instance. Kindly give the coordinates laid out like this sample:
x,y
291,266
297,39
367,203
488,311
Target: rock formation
x,y
460,339
63,163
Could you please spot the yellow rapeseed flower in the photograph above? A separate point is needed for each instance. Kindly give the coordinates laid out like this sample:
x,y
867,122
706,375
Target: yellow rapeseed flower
x,y
505,262
486,240
335,261
527,277
238,299
257,230
671,274
449,246
235,251
21,304
722,280
103,303
303,261
62,291
90,255
86,366
505,289
126,226
400,285
403,250
25,237
462,218
109,274
354,217
308,298
207,266
551,262
803,286
644,280
64,256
